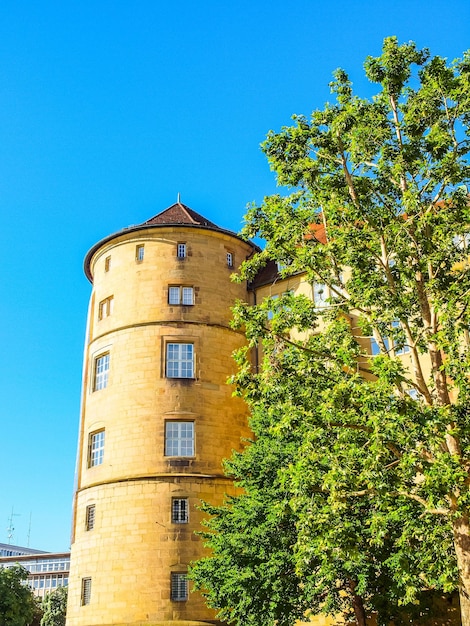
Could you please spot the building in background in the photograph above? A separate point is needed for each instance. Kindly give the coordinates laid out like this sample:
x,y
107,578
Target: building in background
x,y
157,417
46,570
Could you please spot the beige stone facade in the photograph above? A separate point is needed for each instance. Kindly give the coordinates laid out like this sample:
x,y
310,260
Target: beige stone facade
x,y
157,417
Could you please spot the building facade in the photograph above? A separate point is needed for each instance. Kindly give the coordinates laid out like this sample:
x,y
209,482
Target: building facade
x,y
46,570
157,417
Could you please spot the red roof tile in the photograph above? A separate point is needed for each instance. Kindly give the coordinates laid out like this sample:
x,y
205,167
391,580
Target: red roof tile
x,y
180,214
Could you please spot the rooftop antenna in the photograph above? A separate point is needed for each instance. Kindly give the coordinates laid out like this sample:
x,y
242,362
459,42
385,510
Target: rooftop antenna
x,y
178,201
11,528
29,529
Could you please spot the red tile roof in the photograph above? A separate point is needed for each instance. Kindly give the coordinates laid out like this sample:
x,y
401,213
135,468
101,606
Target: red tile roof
x,y
180,214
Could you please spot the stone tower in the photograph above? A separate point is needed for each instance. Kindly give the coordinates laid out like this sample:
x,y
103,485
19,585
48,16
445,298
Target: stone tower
x,y
157,417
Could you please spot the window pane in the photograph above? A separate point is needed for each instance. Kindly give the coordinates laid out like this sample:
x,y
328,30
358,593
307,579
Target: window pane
x,y
179,587
174,295
179,439
86,590
187,295
180,360
101,372
96,448
181,251
180,513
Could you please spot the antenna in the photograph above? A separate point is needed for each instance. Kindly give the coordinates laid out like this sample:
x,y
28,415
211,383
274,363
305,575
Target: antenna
x,y
11,528
29,529
178,201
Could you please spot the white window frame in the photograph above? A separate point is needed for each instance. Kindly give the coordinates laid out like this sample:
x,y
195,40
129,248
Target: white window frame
x,y
90,516
180,295
86,591
181,250
101,372
179,438
96,441
180,510
179,360
139,253
229,257
179,586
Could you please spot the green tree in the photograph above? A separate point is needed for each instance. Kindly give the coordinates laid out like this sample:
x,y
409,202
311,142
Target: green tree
x,y
379,216
54,608
17,603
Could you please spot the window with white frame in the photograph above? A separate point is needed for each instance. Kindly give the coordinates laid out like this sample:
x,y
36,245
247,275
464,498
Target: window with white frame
x,y
86,591
229,257
105,307
139,253
96,448
179,586
181,250
180,511
179,438
90,517
180,295
100,380
180,360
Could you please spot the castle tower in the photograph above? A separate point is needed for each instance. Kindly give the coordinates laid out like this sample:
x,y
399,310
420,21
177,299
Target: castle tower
x,y
157,417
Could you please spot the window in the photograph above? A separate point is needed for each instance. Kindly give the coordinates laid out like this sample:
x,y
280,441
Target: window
x,y
101,372
181,295
107,263
86,591
96,448
229,259
180,511
105,307
181,250
180,360
320,294
179,587
90,517
399,344
179,438
399,340
139,253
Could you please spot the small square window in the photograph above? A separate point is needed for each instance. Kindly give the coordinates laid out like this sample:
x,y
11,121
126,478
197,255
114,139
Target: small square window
x,y
90,517
86,591
180,360
139,253
96,448
105,307
181,251
179,438
229,259
107,263
180,511
179,587
100,380
181,295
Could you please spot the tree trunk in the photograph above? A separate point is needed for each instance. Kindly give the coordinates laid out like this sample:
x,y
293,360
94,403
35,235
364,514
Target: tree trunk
x,y
461,527
358,606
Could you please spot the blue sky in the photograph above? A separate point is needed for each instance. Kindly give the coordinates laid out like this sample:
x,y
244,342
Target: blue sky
x,y
108,110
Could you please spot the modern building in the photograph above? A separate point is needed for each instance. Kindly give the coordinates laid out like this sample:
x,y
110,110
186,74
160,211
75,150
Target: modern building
x,y
157,417
46,570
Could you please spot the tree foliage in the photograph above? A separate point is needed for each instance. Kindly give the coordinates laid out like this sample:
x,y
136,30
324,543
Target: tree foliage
x,y
360,463
17,603
54,608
